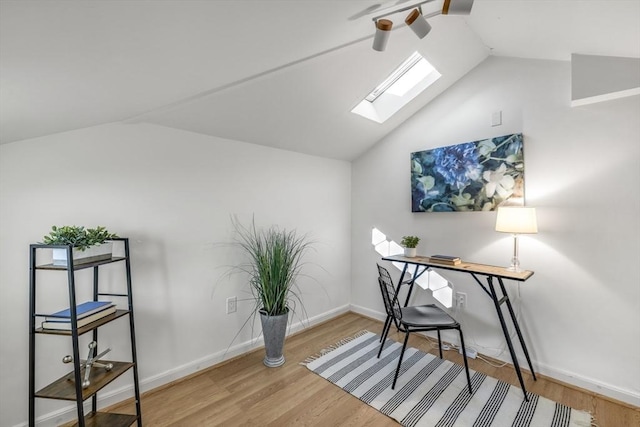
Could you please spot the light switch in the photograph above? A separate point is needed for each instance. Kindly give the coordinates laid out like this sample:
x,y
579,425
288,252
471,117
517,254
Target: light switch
x,y
496,118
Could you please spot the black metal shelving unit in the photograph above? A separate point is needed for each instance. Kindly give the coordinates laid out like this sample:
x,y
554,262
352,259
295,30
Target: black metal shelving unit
x,y
69,387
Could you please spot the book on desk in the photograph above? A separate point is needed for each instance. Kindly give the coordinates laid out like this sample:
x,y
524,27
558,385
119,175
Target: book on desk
x,y
445,259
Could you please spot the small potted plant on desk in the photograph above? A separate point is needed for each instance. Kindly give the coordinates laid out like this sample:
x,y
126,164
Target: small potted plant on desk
x,y
410,243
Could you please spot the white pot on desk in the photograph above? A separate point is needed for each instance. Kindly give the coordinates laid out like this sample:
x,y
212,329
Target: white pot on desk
x,y
410,252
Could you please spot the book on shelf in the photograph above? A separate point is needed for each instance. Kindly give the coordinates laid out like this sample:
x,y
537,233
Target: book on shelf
x,y
445,259
82,310
65,324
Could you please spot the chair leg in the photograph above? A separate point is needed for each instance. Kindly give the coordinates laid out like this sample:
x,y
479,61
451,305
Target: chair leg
x,y
387,325
464,356
439,343
404,346
385,332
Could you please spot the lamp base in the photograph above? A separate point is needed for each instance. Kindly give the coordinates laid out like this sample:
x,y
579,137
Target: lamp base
x,y
515,265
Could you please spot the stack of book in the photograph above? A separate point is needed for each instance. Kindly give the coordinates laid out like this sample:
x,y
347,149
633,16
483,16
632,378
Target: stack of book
x,y
86,313
445,259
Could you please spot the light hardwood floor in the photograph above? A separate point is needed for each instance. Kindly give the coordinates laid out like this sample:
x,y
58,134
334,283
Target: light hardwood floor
x,y
243,392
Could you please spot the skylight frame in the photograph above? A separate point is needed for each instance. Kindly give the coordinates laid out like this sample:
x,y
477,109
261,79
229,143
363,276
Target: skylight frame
x,y
405,83
396,75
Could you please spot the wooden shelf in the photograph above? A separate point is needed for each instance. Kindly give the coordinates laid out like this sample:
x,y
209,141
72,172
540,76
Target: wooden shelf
x,y
65,389
79,266
107,419
86,328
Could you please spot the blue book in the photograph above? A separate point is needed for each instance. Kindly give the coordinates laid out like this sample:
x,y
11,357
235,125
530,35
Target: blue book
x,y
82,310
65,324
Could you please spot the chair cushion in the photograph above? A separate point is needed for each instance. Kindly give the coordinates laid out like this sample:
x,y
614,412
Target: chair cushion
x,y
426,315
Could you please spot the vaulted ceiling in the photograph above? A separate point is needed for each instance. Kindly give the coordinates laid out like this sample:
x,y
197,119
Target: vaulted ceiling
x,y
279,73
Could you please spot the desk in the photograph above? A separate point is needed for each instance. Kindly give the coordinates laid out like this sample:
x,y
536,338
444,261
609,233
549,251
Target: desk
x,y
491,273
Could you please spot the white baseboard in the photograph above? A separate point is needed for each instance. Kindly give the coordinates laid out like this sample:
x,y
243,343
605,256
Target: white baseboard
x,y
608,390
368,312
111,397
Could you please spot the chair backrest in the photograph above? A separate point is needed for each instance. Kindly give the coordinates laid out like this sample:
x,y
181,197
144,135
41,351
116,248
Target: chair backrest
x,y
383,272
389,297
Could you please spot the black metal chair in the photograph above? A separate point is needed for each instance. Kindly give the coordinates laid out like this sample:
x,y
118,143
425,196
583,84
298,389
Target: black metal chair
x,y
419,318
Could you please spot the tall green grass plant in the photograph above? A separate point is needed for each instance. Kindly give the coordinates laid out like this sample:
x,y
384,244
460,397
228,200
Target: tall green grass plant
x,y
273,266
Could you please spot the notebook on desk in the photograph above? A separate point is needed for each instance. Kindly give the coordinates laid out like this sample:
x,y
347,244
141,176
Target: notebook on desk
x,y
445,259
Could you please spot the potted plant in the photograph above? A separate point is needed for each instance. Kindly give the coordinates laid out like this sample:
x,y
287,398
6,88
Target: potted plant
x,y
273,264
88,244
410,243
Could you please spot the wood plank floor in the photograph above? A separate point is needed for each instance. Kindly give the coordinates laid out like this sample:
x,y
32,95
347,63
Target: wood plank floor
x,y
243,392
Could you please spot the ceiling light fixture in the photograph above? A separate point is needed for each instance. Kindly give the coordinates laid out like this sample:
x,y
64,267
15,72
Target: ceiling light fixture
x,y
457,7
383,29
417,23
416,20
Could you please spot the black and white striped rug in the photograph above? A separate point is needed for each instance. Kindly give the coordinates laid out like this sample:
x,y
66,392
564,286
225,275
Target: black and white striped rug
x,y
431,391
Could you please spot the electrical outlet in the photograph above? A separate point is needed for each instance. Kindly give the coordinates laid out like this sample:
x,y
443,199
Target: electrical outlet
x,y
461,300
472,353
232,305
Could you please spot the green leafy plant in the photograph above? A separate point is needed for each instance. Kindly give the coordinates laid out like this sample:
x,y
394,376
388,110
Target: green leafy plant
x,y
78,237
274,263
410,241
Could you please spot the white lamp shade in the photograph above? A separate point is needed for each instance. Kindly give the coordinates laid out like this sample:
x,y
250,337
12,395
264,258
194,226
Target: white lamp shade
x,y
383,29
418,24
516,220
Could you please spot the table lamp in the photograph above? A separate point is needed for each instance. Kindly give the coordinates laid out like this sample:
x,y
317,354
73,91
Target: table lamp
x,y
516,220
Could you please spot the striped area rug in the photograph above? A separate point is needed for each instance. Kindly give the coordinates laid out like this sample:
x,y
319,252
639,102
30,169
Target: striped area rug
x,y
431,391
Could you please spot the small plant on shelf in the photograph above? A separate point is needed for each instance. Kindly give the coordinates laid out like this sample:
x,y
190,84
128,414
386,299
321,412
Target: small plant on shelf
x,y
410,241
79,237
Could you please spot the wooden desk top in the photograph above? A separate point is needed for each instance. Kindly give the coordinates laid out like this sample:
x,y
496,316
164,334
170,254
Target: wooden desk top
x,y
465,267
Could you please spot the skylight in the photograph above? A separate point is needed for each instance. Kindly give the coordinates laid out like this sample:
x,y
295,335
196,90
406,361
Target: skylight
x,y
398,76
412,77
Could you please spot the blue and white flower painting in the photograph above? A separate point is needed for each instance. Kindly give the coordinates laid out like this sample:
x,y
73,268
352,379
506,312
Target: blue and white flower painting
x,y
474,176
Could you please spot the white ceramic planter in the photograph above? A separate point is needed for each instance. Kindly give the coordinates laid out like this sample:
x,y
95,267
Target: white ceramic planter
x,y
94,253
410,252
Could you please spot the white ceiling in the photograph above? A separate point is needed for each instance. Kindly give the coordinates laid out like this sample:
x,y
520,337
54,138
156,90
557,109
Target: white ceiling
x,y
279,73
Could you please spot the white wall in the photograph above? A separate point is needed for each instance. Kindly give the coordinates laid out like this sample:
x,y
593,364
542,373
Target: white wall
x,y
172,193
580,312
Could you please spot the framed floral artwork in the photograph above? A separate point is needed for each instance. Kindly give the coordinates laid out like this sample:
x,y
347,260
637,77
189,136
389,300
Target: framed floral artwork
x,y
474,176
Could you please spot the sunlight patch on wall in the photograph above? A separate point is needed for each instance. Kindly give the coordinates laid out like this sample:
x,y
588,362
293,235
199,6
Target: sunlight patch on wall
x,y
440,287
